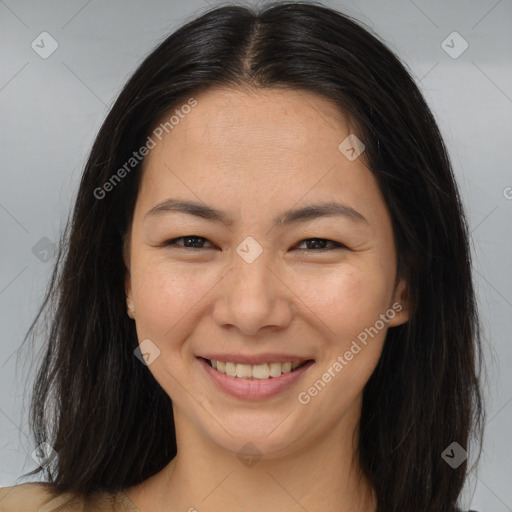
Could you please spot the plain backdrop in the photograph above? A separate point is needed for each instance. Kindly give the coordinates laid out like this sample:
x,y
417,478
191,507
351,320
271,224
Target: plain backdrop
x,y
53,105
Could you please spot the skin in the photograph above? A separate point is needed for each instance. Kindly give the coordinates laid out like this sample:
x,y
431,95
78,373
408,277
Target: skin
x,y
255,154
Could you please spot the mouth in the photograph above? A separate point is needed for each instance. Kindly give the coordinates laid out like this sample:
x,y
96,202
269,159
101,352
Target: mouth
x,y
255,381
262,371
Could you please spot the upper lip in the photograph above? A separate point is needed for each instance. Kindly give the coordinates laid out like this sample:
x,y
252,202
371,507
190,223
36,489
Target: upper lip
x,y
256,359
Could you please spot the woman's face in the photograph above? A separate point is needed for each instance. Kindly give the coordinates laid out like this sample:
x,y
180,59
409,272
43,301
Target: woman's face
x,y
242,288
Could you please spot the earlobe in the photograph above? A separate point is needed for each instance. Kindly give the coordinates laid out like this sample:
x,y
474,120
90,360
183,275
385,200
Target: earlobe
x,y
130,307
400,305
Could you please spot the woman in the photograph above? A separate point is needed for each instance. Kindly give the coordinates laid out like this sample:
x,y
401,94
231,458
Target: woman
x,y
264,297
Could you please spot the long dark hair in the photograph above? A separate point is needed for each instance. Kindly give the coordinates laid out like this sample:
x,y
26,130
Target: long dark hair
x,y
101,409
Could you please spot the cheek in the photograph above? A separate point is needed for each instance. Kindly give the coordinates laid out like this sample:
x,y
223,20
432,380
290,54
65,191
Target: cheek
x,y
167,296
346,300
349,303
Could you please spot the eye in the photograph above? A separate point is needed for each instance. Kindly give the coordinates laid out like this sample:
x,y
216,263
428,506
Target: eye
x,y
316,242
189,239
197,242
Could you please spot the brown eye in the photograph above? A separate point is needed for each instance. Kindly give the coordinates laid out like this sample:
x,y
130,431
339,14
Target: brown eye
x,y
197,242
319,244
189,242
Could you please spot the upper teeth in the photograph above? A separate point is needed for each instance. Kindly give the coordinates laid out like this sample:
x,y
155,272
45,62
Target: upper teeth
x,y
257,371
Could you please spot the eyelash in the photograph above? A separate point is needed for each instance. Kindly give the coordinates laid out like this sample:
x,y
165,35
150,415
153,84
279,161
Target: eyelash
x,y
337,245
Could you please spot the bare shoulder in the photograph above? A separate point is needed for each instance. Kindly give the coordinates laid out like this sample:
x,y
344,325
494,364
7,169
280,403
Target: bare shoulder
x,y
28,497
40,497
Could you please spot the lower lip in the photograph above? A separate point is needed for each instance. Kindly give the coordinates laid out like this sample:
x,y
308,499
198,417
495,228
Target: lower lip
x,y
254,389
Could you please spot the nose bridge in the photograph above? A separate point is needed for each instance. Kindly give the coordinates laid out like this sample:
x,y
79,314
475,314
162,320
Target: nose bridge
x,y
253,297
251,274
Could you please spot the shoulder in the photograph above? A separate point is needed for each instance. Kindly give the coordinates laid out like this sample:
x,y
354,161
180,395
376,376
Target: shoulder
x,y
25,497
40,497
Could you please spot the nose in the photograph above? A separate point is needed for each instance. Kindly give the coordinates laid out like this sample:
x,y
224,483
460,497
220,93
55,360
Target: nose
x,y
252,296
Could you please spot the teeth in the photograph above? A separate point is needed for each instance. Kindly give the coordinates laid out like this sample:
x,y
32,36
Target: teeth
x,y
259,371
275,369
286,368
231,369
256,371
243,370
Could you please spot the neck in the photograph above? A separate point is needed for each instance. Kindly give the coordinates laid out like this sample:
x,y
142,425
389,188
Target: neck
x,y
320,476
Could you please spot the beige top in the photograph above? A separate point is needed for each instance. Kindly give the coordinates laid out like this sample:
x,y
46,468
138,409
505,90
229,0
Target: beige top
x,y
34,497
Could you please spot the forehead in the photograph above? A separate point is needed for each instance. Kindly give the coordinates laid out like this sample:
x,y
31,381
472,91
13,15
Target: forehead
x,y
257,146
280,119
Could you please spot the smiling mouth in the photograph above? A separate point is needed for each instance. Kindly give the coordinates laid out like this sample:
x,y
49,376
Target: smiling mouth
x,y
262,371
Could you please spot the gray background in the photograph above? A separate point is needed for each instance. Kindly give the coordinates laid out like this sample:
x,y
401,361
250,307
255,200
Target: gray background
x,y
52,108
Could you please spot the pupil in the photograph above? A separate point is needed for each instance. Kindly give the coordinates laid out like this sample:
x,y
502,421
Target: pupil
x,y
188,239
315,242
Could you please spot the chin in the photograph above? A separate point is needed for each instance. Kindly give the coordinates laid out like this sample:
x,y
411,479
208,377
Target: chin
x,y
271,439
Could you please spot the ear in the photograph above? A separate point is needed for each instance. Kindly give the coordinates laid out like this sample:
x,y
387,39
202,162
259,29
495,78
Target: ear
x,y
400,304
130,308
127,278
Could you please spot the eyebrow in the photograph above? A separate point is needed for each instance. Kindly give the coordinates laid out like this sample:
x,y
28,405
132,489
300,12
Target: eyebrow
x,y
304,214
